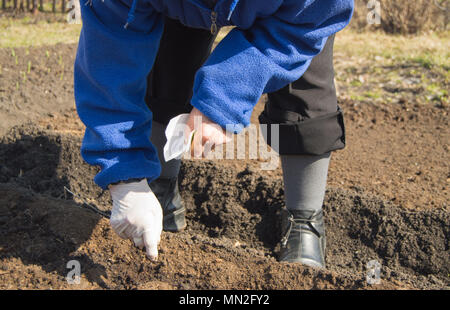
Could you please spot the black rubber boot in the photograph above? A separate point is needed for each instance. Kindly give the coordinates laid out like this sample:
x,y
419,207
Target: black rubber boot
x,y
167,192
304,237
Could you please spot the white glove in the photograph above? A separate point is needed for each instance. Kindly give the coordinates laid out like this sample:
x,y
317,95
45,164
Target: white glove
x,y
137,215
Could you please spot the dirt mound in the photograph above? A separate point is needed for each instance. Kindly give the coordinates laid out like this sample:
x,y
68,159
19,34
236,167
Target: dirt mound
x,y
243,205
231,239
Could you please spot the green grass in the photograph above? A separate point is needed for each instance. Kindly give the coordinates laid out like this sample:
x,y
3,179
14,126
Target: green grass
x,y
372,94
356,83
437,93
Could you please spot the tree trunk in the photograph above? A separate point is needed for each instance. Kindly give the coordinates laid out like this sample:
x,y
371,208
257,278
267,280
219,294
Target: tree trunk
x,y
34,7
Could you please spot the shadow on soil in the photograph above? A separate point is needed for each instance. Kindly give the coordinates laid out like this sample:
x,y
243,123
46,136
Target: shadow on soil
x,y
37,226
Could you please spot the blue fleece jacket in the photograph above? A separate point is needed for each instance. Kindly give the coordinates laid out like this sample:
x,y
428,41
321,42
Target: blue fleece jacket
x,y
271,46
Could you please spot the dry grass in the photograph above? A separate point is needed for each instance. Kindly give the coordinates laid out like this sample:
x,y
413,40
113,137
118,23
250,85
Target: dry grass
x,y
25,32
404,16
377,67
432,47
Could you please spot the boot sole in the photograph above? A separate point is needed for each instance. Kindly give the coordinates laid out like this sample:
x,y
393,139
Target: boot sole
x,y
305,261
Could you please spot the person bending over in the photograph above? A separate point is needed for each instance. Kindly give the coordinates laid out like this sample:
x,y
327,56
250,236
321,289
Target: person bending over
x,y
141,62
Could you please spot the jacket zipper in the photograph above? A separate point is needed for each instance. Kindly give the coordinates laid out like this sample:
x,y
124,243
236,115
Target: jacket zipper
x,y
214,28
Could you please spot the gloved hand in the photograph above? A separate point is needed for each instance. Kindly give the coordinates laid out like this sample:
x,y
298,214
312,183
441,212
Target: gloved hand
x,y
137,215
207,133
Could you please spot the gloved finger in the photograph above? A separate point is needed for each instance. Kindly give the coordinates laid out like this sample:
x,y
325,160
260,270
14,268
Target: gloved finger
x,y
131,231
127,231
120,228
138,242
151,241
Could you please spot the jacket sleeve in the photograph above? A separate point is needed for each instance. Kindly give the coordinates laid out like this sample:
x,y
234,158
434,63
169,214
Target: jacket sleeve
x,y
271,53
111,69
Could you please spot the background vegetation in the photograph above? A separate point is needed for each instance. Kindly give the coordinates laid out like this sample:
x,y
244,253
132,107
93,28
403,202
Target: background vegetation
x,y
404,16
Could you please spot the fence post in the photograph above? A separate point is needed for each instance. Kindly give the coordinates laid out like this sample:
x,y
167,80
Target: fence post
x,y
41,5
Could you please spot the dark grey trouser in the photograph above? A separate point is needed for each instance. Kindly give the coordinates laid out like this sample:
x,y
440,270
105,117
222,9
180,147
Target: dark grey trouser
x,y
310,120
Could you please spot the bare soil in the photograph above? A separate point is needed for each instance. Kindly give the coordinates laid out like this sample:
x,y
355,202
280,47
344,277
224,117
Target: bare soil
x,y
386,201
35,83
